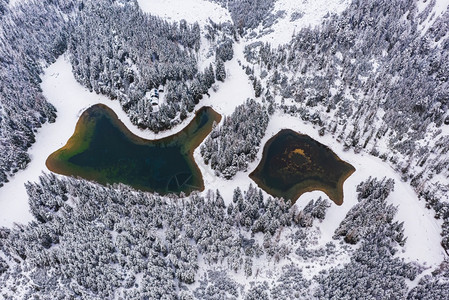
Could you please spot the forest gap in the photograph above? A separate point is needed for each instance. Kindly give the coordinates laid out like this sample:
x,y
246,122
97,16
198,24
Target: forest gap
x,y
102,149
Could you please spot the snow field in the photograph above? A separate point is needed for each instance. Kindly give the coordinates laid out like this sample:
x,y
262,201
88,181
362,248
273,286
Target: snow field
x,y
14,2
190,10
438,9
312,11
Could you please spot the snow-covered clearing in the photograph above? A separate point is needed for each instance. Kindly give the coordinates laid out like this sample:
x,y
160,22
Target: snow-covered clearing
x,y
297,15
236,88
190,10
13,3
439,8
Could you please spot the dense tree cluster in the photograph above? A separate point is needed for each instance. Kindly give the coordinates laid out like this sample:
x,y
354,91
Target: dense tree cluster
x,y
3,7
117,50
291,285
32,35
220,72
235,143
216,285
219,32
372,196
3,266
247,14
373,272
93,241
369,57
313,210
434,286
224,49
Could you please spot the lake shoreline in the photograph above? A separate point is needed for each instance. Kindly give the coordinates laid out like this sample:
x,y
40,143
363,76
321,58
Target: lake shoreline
x,y
304,184
186,180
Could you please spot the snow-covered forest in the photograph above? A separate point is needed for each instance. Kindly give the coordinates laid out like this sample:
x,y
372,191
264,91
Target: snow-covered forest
x,y
379,91
235,143
114,242
119,51
371,77
248,14
32,35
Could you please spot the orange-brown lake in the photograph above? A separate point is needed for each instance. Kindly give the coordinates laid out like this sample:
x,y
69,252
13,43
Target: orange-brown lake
x,y
293,164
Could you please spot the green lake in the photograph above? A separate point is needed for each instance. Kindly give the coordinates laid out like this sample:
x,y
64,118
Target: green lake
x,y
102,149
293,164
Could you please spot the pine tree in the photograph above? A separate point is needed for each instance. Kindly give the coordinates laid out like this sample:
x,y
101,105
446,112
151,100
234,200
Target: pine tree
x,y
220,72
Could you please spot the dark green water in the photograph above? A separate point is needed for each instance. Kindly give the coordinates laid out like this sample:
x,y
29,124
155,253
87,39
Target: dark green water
x,y
102,149
293,164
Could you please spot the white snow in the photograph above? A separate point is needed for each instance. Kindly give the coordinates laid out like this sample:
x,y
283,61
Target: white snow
x,y
313,13
439,8
234,90
190,10
422,230
13,3
71,99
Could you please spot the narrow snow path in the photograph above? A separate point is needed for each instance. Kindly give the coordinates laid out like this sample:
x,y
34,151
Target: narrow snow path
x,y
234,90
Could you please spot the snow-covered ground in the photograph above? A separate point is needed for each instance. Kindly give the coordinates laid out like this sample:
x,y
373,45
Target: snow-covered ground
x,y
190,10
14,2
422,230
312,13
71,99
439,8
